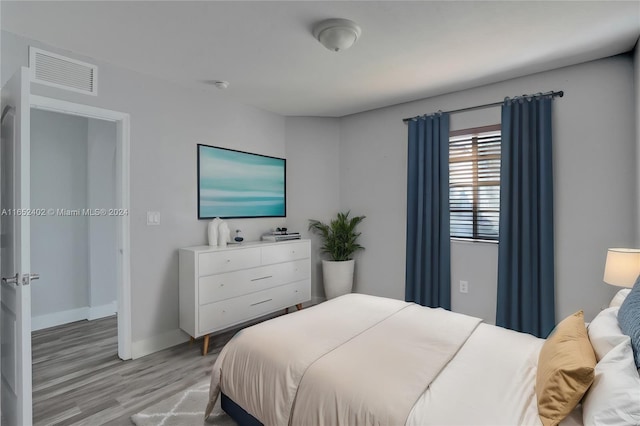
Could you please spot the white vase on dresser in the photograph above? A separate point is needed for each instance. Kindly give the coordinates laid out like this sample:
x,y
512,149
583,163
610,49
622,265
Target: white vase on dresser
x,y
225,286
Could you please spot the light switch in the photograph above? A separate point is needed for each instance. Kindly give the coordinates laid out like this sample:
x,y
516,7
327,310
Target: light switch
x,y
153,218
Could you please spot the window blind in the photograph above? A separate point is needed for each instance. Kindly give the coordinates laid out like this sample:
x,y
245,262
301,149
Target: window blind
x,y
474,182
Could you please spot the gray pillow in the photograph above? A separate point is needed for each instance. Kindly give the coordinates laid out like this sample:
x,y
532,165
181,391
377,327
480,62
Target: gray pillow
x,y
629,319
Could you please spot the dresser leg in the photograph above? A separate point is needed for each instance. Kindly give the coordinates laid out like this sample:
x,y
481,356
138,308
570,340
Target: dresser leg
x,y
299,306
205,345
286,310
191,340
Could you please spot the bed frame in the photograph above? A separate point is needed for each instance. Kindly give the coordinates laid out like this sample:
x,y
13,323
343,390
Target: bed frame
x,y
237,413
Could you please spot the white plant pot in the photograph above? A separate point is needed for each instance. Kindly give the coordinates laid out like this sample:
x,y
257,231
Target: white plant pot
x,y
337,277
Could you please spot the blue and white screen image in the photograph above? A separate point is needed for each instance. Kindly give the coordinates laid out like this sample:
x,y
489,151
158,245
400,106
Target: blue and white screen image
x,y
239,184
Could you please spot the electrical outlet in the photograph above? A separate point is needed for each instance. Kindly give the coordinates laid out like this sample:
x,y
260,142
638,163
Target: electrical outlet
x,y
464,286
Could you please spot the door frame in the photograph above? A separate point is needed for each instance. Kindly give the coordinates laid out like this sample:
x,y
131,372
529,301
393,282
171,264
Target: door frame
x,y
122,121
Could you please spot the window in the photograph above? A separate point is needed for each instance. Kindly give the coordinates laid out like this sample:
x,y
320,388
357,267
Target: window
x,y
474,182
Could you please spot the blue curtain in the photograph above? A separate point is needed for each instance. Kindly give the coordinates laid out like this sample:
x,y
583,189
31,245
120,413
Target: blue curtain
x,y
428,269
526,299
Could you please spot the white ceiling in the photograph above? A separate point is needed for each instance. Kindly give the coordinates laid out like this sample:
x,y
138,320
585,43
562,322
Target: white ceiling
x,y
265,49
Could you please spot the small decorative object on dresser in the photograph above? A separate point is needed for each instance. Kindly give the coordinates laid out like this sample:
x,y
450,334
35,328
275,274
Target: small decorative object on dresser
x,y
224,286
212,231
340,242
224,234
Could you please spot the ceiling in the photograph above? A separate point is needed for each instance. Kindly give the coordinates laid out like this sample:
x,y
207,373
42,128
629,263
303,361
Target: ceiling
x,y
408,49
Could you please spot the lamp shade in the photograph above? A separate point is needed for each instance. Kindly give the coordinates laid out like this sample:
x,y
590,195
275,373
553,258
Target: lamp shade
x,y
622,267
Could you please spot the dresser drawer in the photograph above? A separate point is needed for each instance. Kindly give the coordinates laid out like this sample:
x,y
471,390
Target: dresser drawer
x,y
218,315
292,271
228,260
299,292
285,252
214,288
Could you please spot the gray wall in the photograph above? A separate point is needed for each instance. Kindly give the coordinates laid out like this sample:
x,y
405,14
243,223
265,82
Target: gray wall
x,y
476,263
312,177
101,193
167,121
595,184
595,170
72,167
59,244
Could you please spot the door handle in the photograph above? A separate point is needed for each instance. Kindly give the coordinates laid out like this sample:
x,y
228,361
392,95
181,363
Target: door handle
x,y
26,279
12,280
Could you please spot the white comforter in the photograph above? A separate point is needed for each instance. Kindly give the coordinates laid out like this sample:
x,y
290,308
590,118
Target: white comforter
x,y
377,376
366,360
489,382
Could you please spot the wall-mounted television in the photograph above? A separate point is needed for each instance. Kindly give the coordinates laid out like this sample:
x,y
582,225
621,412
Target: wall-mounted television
x,y
237,184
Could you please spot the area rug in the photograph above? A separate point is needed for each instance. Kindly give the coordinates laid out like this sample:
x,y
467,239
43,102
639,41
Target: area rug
x,y
186,408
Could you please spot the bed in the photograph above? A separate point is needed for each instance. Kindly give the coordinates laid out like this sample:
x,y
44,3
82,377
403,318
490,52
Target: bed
x,y
360,360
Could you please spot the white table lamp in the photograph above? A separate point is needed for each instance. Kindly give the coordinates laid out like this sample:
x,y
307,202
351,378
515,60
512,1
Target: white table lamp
x,y
622,267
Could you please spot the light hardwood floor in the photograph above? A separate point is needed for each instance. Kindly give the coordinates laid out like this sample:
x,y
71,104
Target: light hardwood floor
x,y
78,378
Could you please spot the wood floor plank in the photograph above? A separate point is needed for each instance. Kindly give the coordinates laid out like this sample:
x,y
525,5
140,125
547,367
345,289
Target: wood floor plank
x,y
78,379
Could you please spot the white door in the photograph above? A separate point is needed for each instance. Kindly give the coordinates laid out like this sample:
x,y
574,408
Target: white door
x,y
15,297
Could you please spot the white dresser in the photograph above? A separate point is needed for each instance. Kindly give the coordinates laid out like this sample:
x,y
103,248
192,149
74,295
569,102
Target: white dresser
x,y
224,286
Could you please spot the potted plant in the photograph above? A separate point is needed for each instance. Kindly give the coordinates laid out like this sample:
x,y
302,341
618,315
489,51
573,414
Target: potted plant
x,y
340,243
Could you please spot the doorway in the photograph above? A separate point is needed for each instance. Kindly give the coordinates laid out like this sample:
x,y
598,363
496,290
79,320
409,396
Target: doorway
x,y
91,229
73,236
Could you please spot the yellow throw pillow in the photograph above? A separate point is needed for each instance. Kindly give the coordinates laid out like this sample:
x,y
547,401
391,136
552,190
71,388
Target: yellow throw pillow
x,y
565,369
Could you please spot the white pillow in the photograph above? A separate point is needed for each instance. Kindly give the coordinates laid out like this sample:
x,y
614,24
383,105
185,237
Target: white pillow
x,y
614,396
605,333
619,297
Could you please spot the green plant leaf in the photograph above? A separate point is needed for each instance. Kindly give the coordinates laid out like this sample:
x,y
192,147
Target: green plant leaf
x,y
339,236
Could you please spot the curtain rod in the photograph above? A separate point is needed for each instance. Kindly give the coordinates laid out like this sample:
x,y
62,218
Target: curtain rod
x,y
552,94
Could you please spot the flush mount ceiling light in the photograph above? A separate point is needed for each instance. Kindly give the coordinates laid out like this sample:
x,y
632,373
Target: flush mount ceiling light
x,y
337,34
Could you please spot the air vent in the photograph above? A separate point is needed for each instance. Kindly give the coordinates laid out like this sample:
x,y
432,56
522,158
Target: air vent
x,y
62,72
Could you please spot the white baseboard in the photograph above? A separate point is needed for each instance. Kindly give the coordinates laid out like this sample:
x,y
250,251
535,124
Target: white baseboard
x,y
64,317
96,312
157,343
59,318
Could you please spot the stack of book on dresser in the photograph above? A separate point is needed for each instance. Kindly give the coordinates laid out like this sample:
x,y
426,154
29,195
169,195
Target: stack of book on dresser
x,y
281,236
